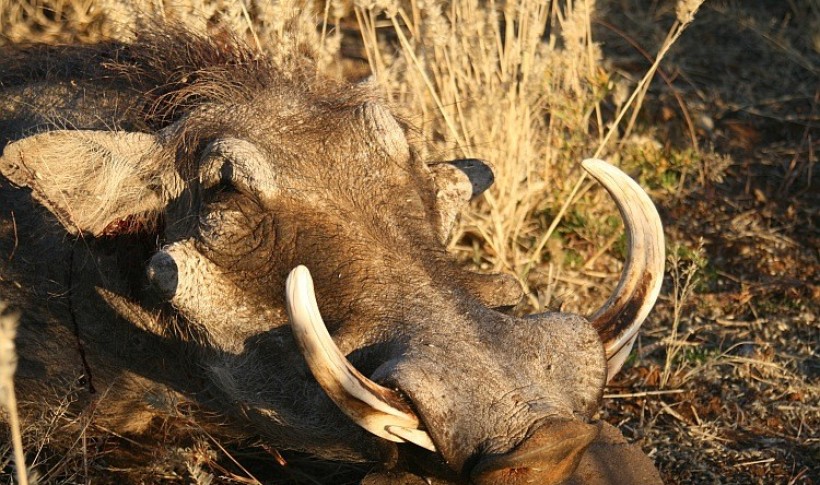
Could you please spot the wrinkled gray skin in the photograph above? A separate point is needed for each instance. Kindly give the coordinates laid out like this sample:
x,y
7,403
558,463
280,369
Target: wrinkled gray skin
x,y
240,174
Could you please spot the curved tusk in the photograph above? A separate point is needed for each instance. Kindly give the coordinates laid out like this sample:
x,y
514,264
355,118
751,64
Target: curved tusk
x,y
619,319
375,408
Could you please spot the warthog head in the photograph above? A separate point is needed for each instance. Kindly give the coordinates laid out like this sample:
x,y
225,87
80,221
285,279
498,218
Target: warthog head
x,y
298,262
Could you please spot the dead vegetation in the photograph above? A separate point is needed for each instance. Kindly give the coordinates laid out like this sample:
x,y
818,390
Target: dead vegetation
x,y
725,383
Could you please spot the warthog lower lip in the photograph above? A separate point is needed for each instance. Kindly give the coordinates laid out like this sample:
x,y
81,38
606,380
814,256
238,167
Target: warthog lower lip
x,y
549,456
375,408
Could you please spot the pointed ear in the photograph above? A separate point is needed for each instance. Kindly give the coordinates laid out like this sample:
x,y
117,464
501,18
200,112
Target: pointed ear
x,y
94,182
478,172
457,182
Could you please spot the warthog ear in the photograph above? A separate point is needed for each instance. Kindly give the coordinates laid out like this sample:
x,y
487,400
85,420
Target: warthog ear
x,y
94,182
478,172
457,182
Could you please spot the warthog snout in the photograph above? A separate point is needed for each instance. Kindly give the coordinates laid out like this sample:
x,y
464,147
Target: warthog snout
x,y
475,396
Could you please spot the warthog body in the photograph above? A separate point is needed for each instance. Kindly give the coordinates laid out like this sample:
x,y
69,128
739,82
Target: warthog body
x,y
154,199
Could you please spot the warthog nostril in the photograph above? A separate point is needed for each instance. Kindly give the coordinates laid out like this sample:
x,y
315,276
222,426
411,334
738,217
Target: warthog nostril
x,y
163,274
549,456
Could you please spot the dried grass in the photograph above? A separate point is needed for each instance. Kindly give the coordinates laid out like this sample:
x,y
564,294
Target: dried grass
x,y
684,266
8,400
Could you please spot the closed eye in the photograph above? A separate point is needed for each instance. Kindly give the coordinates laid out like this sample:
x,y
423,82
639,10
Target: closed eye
x,y
220,191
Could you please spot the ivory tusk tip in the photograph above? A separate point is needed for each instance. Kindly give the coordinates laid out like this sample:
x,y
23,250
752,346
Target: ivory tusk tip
x,y
299,272
592,163
411,435
299,279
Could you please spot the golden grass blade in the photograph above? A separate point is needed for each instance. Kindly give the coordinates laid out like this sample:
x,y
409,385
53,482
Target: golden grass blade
x,y
8,365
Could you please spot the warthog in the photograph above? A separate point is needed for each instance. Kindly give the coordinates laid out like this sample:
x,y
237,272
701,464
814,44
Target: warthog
x,y
189,229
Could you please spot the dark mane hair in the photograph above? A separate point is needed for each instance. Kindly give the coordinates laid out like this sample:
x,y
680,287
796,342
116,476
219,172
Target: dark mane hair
x,y
169,67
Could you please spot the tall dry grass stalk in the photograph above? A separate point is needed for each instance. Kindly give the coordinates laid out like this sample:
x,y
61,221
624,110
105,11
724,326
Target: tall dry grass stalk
x,y
685,266
8,400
